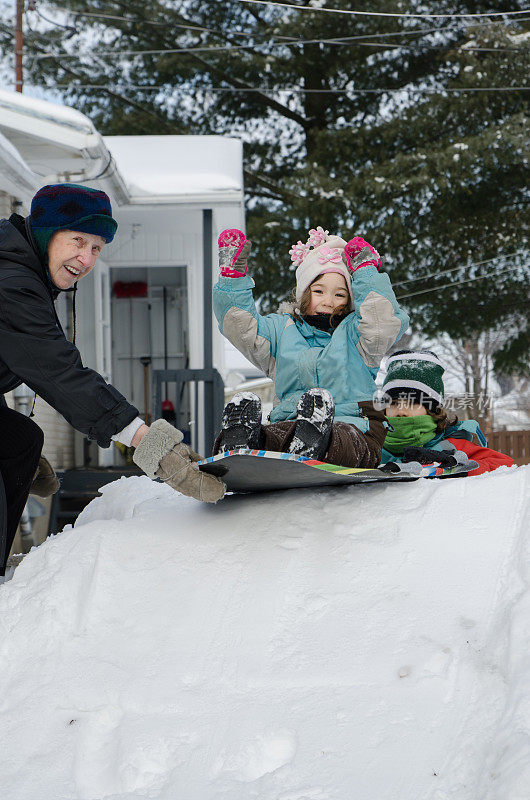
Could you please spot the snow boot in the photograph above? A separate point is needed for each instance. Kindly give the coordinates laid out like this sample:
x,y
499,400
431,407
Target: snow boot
x,y
314,419
241,423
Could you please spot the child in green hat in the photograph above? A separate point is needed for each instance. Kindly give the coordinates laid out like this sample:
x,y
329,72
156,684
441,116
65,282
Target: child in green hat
x,y
414,391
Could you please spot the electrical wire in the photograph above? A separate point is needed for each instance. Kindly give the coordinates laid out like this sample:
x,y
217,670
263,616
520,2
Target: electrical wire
x,y
239,47
294,89
284,41
129,19
383,13
102,172
454,269
288,39
456,283
70,28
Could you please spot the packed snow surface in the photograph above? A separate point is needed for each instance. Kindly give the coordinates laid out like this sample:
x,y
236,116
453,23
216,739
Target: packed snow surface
x,y
362,643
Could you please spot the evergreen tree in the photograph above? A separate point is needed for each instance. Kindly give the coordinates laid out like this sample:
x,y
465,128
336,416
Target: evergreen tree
x,y
388,127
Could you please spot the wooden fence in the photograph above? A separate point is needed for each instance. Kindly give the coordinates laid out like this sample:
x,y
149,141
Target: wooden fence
x,y
514,443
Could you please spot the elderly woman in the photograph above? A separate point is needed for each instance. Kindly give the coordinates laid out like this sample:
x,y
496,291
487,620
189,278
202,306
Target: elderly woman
x,y
41,256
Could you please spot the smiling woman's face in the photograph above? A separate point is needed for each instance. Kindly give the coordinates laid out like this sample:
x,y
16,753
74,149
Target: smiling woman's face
x,y
72,255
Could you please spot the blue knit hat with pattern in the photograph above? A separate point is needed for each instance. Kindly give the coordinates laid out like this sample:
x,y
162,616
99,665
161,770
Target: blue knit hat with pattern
x,y
68,206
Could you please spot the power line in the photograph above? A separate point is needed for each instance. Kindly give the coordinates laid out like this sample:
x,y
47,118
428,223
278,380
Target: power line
x,y
287,38
206,49
271,44
456,283
294,89
454,269
127,19
287,41
238,47
383,13
69,28
283,41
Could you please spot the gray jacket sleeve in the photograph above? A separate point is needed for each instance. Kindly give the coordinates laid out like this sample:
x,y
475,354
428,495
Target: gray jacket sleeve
x,y
378,320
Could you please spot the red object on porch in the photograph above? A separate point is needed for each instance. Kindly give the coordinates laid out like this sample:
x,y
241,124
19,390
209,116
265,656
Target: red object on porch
x,y
130,289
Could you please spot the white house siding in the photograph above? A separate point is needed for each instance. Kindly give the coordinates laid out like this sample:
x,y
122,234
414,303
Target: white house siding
x,y
58,434
5,205
58,438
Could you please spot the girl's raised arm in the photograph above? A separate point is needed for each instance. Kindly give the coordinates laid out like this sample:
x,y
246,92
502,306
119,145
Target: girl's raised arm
x,y
254,335
378,321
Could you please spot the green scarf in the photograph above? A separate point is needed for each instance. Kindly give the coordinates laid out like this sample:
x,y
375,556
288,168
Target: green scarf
x,y
409,432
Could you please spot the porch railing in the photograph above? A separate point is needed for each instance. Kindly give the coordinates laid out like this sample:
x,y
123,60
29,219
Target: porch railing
x,y
209,418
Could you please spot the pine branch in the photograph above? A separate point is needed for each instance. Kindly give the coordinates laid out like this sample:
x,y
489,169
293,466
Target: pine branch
x,y
277,192
265,99
108,91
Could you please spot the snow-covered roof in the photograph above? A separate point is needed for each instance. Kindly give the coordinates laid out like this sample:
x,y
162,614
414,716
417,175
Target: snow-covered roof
x,y
54,142
16,103
15,174
173,168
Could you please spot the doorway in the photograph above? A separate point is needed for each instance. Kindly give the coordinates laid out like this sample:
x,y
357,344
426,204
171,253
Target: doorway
x,y
150,332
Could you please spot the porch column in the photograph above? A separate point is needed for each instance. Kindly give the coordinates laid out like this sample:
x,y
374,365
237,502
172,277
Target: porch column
x,y
207,232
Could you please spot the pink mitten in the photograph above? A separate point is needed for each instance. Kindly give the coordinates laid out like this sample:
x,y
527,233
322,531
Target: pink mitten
x,y
234,251
359,253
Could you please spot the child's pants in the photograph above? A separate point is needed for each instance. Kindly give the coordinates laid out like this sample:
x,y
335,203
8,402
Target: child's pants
x,y
348,446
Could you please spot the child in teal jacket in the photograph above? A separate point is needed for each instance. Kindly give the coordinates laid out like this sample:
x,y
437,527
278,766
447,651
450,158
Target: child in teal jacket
x,y
323,351
414,391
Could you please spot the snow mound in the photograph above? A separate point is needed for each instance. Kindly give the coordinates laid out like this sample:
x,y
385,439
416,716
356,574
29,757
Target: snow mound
x,y
368,641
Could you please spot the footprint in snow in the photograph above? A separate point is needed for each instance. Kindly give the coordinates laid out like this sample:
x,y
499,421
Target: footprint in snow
x,y
263,755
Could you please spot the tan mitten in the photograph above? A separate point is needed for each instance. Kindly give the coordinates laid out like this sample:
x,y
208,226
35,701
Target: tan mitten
x,y
45,483
162,454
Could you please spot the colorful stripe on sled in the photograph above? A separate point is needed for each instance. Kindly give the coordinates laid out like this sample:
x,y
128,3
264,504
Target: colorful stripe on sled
x,y
310,462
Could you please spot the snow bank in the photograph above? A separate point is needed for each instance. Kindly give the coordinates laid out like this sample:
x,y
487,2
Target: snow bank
x,y
365,642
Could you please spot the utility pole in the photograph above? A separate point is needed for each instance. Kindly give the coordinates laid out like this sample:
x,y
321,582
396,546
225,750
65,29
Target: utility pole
x,y
19,45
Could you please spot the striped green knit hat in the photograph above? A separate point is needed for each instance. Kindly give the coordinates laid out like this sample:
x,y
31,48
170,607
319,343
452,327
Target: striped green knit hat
x,y
416,375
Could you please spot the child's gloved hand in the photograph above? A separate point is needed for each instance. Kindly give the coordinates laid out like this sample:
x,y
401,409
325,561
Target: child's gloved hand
x,y
234,251
425,456
162,454
359,253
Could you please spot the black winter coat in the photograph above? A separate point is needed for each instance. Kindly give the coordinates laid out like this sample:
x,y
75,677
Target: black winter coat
x,y
34,349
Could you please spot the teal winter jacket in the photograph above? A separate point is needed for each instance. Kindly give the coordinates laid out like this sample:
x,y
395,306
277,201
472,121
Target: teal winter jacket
x,y
299,357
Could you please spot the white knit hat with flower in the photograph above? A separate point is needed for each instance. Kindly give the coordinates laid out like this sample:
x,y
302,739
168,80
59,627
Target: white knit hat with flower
x,y
321,253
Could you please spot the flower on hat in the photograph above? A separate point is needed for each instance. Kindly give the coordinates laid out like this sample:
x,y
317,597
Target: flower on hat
x,y
330,255
317,236
298,252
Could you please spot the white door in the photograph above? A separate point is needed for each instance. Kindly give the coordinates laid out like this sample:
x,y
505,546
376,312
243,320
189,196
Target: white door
x,y
103,340
102,316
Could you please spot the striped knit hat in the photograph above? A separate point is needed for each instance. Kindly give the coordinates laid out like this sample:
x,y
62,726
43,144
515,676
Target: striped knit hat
x,y
417,375
67,206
